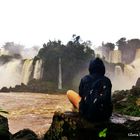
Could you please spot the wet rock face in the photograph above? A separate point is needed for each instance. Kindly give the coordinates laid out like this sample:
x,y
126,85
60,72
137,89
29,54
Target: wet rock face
x,y
4,129
138,82
70,126
4,123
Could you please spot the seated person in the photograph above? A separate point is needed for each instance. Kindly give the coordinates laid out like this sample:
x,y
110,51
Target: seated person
x,y
94,98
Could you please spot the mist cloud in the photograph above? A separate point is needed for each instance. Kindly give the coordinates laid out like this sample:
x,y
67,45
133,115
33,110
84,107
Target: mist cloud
x,y
12,49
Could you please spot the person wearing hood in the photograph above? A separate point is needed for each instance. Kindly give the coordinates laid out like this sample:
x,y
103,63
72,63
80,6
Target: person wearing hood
x,y
96,72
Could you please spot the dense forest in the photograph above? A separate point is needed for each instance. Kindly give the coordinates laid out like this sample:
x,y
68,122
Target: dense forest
x,y
74,55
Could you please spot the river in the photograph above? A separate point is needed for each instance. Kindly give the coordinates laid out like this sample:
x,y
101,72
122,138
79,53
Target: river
x,y
32,110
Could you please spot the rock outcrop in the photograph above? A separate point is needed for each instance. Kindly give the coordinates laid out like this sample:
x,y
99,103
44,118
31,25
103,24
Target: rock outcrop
x,y
4,129
127,102
70,126
138,82
25,134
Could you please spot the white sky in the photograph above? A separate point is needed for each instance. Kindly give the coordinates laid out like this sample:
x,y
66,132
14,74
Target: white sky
x,y
33,22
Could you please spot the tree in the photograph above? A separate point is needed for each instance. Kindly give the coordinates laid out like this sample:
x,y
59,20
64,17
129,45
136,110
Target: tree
x,y
128,49
121,43
110,46
74,56
106,48
133,44
50,54
76,39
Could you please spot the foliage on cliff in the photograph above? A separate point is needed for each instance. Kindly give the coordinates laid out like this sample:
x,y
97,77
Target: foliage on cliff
x,y
74,56
128,49
127,101
7,58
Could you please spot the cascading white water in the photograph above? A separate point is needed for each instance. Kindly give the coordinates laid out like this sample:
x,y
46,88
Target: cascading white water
x,y
118,71
26,70
60,75
117,79
136,65
129,72
10,73
115,56
38,70
128,78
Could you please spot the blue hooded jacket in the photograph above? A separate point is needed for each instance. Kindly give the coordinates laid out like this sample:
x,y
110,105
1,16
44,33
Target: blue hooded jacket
x,y
96,72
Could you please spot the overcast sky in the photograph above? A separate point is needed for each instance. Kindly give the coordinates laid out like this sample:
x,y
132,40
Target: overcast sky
x,y
33,22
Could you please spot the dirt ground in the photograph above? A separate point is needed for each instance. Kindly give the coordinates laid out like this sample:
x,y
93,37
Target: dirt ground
x,y
32,110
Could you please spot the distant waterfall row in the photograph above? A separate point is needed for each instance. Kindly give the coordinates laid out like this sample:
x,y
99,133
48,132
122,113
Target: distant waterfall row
x,y
129,70
16,72
123,75
31,71
126,75
115,56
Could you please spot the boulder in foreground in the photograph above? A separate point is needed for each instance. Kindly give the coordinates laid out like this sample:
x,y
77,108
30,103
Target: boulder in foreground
x,y
70,126
4,129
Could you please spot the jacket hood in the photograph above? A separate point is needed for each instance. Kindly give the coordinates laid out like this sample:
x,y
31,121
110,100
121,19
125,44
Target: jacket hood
x,y
96,66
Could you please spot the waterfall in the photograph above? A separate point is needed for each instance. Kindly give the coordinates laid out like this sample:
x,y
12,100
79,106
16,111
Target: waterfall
x,y
129,71
38,71
10,73
115,56
129,76
118,72
117,78
126,78
123,80
26,70
137,56
136,65
60,75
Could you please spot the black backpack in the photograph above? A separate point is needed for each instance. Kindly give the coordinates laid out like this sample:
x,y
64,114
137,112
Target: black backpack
x,y
95,106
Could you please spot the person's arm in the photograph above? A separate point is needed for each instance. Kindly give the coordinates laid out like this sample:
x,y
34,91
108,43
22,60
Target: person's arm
x,y
81,88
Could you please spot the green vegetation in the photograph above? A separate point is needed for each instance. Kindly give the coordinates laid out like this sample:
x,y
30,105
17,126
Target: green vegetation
x,y
128,49
125,102
75,57
103,133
